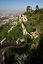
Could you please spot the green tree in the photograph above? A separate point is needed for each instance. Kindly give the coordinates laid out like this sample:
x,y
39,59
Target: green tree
x,y
37,8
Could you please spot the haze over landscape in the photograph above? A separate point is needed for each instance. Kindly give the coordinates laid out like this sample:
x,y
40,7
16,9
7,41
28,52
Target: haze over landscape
x,y
18,5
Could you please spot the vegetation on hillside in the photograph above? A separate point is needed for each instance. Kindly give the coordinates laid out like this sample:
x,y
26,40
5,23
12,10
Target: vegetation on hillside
x,y
4,30
14,34
32,54
35,19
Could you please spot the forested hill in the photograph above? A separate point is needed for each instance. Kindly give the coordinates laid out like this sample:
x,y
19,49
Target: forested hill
x,y
35,19
35,23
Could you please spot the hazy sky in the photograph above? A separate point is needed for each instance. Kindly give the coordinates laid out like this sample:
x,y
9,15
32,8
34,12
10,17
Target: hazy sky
x,y
19,4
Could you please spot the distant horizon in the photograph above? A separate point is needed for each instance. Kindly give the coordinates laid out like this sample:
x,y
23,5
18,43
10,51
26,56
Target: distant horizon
x,y
19,4
11,11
